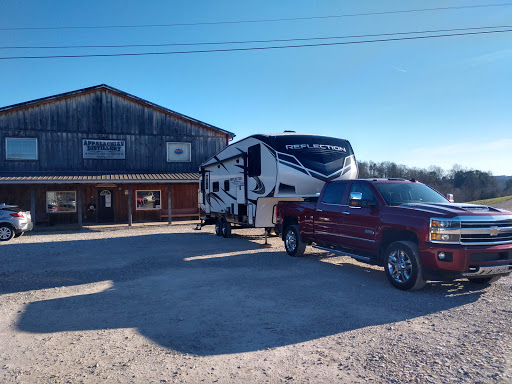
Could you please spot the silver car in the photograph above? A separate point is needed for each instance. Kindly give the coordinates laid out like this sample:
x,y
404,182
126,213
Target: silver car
x,y
13,222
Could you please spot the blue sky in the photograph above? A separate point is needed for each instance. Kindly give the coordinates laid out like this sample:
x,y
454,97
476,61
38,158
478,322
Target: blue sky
x,y
423,102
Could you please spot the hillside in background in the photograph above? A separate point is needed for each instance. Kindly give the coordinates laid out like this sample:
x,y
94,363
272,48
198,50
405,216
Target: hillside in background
x,y
464,184
502,180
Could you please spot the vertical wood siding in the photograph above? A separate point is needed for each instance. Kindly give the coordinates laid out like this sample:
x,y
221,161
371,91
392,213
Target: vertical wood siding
x,y
60,125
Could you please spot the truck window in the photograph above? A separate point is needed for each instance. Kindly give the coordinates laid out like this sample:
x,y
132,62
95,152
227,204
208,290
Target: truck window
x,y
333,193
406,193
365,190
254,160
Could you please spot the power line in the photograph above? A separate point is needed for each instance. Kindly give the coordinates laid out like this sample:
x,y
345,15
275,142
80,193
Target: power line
x,y
254,48
251,41
261,20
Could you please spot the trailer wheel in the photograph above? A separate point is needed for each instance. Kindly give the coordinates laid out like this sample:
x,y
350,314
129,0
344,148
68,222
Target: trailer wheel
x,y
226,229
293,242
218,227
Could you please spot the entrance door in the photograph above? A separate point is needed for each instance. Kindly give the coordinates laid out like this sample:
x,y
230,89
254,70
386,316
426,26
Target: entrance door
x,y
105,205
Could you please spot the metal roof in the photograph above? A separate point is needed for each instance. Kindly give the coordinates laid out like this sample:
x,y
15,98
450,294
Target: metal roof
x,y
88,178
121,93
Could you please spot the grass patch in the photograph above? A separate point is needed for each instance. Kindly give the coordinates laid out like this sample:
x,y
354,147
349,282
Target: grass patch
x,y
492,201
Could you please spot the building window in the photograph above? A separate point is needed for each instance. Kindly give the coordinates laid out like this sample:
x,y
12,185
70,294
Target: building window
x,y
215,186
146,200
178,152
60,201
20,148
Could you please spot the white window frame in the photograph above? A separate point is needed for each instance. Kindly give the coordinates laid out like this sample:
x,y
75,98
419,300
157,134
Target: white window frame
x,y
32,139
57,211
157,208
182,143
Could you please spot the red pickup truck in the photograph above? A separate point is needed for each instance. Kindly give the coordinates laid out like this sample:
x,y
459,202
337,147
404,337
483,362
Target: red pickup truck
x,y
413,231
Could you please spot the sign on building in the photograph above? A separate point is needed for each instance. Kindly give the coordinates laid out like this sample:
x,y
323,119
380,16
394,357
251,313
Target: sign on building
x,y
103,149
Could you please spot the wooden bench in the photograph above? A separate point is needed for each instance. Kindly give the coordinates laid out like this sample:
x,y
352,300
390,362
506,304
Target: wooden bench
x,y
180,212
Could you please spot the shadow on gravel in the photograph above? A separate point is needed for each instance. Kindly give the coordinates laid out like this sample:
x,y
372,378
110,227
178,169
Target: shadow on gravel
x,y
201,294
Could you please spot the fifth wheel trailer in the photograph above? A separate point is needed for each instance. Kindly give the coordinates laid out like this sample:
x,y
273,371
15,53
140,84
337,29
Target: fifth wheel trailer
x,y
243,183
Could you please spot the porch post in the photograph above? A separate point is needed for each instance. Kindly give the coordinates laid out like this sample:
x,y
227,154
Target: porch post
x,y
130,206
79,205
33,205
169,204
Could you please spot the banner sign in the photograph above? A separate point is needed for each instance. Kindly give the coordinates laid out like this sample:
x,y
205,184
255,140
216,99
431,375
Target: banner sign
x,y
103,149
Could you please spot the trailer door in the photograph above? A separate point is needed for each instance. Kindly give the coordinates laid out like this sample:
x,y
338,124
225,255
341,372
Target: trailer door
x,y
207,205
240,194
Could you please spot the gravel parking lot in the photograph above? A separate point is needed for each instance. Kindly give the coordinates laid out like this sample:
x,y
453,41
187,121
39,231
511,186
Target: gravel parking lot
x,y
166,304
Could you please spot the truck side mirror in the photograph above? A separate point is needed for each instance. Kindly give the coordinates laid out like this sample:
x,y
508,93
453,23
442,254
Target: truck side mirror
x,y
449,196
355,199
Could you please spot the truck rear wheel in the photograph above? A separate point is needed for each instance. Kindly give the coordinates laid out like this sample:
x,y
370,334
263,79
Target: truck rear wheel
x,y
403,267
293,242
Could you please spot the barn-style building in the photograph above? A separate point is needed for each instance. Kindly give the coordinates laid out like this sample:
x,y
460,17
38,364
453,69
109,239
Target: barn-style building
x,y
102,155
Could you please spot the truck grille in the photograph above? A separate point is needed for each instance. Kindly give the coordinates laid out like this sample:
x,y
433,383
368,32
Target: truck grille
x,y
483,232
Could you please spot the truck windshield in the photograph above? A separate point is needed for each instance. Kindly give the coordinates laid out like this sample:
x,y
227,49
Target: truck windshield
x,y
406,193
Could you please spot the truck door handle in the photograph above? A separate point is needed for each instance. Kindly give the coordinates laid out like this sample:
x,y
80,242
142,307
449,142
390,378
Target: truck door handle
x,y
319,210
346,213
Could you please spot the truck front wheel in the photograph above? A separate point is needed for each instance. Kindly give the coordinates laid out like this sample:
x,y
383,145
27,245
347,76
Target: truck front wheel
x,y
293,242
403,267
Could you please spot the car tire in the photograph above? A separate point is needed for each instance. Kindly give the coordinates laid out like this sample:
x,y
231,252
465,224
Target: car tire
x,y
484,280
218,227
403,267
6,232
19,234
226,229
293,243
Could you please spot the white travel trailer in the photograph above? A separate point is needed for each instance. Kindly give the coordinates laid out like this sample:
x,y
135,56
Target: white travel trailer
x,y
242,184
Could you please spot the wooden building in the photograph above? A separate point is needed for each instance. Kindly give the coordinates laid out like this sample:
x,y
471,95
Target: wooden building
x,y
102,155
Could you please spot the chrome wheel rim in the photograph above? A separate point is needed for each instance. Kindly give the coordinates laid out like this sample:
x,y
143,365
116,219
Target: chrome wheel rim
x,y
400,266
5,233
291,241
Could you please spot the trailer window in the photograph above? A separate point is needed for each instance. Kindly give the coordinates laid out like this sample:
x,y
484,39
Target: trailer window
x,y
254,160
226,185
215,186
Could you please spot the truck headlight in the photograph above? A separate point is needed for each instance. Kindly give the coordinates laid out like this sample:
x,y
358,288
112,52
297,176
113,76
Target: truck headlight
x,y
445,237
444,230
438,223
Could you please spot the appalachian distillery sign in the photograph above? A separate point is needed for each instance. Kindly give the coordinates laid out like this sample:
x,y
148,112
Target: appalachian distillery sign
x,y
103,149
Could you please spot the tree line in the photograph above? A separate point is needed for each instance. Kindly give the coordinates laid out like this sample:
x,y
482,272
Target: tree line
x,y
464,184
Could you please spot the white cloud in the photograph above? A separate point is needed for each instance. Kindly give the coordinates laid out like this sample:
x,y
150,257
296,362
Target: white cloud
x,y
491,57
